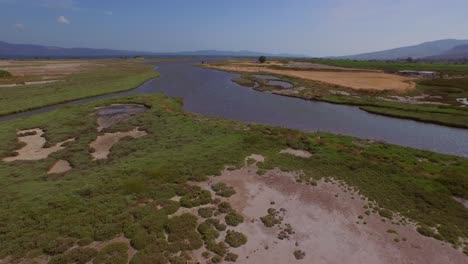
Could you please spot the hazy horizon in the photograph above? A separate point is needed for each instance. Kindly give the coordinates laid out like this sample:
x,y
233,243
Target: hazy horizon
x,y
313,28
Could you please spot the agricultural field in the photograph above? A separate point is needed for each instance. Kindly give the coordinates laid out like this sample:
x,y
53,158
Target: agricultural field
x,y
156,184
441,101
30,84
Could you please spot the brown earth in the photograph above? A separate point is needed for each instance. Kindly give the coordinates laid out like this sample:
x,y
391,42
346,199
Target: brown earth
x,y
61,166
103,144
44,67
327,224
297,152
376,81
34,146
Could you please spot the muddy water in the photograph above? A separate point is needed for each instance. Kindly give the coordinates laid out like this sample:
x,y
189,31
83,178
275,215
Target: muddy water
x,y
212,93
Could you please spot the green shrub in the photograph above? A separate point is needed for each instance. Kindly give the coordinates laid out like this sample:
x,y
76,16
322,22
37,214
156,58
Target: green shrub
x,y
217,224
235,239
233,219
59,245
75,256
206,212
4,74
216,259
221,189
195,197
217,248
427,231
269,220
208,231
224,207
231,257
84,241
182,230
299,254
115,253
386,213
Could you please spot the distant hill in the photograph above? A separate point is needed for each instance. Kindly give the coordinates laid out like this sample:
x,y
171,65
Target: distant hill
x,y
456,53
9,50
426,49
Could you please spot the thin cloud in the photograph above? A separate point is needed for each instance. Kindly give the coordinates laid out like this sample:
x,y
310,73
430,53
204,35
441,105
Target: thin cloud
x,y
60,4
19,26
62,20
109,13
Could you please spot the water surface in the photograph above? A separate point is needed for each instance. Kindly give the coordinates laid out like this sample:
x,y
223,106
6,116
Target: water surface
x,y
212,93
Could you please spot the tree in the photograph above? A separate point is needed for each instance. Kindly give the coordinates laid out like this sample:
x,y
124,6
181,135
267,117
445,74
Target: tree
x,y
262,59
409,60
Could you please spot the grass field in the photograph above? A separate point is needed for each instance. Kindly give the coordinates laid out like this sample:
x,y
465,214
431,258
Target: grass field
x,y
96,77
130,193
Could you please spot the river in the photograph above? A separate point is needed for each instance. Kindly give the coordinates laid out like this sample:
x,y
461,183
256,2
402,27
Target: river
x,y
212,93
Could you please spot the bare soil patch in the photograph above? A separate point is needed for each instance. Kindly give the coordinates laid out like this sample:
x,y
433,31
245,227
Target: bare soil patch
x,y
463,201
61,166
297,152
325,224
34,146
103,144
28,83
377,81
44,67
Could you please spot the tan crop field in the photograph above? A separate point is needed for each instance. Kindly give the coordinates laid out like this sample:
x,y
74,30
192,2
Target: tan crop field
x,y
378,81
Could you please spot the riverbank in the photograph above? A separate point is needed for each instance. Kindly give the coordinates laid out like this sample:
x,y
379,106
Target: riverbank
x,y
432,101
142,190
29,86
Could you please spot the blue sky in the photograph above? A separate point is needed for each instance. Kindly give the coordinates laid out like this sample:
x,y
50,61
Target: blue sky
x,y
310,27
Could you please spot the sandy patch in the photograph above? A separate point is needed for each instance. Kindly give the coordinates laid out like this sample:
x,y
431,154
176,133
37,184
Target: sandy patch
x,y
103,144
34,148
327,222
44,67
114,114
297,152
462,101
354,80
418,99
463,201
61,166
318,66
28,83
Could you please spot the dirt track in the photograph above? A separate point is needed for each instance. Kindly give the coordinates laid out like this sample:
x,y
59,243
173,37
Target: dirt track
x,y
376,81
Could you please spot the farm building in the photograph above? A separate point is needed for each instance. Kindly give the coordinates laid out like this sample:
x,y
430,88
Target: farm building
x,y
420,74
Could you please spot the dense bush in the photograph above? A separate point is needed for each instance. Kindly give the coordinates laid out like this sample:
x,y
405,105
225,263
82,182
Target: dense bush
x,y
223,190
75,256
115,253
224,207
234,219
182,231
4,74
235,239
206,212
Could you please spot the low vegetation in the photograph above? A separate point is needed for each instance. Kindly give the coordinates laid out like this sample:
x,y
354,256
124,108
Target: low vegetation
x,y
130,193
446,68
5,74
102,77
235,239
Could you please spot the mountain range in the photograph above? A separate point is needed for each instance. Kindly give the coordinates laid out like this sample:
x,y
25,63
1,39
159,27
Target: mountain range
x,y
445,49
9,50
